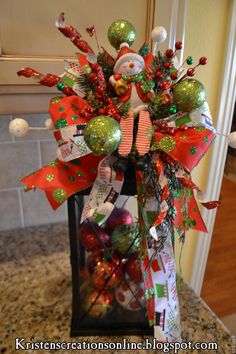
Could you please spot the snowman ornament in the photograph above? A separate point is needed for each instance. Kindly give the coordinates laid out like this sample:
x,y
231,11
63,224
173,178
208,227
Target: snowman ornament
x,y
131,85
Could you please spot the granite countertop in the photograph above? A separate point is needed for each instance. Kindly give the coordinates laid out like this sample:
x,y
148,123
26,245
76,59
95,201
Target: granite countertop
x,y
35,295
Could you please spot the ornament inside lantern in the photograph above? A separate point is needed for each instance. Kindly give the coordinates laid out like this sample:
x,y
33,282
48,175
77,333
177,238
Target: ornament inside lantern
x,y
109,285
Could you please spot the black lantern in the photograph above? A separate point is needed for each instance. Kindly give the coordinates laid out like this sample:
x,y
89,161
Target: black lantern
x,y
87,320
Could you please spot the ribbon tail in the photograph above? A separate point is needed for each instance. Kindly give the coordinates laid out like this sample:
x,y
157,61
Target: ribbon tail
x,y
105,192
160,270
167,313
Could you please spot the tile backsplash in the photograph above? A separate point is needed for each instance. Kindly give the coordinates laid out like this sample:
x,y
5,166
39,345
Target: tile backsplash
x,y
19,157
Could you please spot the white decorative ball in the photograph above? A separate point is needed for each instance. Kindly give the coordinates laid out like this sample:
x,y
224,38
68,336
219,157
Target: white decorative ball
x,y
19,127
159,34
126,299
49,123
232,140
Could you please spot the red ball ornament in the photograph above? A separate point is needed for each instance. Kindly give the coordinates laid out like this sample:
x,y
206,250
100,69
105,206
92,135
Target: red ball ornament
x,y
159,75
183,127
169,53
106,274
118,217
203,61
167,65
89,109
165,85
133,270
100,89
117,116
170,130
89,235
102,111
191,72
98,96
93,78
174,76
93,259
109,101
178,45
99,305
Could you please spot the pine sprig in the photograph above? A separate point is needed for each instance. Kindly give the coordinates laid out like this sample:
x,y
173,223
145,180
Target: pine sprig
x,y
85,84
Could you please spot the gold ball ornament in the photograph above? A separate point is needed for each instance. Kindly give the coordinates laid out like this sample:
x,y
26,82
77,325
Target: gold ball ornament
x,y
188,95
121,88
103,135
121,31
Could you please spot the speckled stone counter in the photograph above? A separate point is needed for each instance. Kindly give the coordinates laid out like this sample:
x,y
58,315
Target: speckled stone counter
x,y
35,295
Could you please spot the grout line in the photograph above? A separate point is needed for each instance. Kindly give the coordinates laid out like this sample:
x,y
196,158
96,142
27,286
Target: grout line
x,y
25,141
11,189
13,138
40,154
21,208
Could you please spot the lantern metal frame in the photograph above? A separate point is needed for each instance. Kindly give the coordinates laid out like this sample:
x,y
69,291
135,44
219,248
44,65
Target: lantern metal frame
x,y
96,327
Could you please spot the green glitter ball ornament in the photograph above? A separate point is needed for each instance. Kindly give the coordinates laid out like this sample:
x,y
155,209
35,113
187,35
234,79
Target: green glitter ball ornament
x,y
126,240
103,135
121,31
188,95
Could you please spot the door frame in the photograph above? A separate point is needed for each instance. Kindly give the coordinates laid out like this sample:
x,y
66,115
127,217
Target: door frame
x,y
224,122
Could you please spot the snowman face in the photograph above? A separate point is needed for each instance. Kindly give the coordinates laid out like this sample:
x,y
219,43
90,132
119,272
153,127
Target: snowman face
x,y
130,67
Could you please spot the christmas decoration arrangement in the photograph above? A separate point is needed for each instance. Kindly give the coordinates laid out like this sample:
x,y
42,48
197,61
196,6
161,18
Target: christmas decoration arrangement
x,y
141,110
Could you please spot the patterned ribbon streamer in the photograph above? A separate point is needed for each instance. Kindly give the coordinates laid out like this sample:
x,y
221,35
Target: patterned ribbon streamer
x,y
105,192
159,271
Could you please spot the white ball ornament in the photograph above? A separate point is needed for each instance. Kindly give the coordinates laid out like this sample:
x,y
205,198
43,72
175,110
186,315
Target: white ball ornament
x,y
159,34
49,123
232,140
19,127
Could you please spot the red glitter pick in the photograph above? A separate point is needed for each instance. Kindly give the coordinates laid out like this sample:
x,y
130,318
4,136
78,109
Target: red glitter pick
x,y
28,72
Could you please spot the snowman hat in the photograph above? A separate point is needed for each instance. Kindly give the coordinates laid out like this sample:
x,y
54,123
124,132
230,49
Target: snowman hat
x,y
126,54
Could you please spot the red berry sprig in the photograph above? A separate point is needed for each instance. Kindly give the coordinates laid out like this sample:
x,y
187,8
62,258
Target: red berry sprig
x,y
191,71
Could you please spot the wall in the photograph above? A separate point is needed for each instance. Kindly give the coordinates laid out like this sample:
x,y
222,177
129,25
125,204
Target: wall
x,y
206,35
18,158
